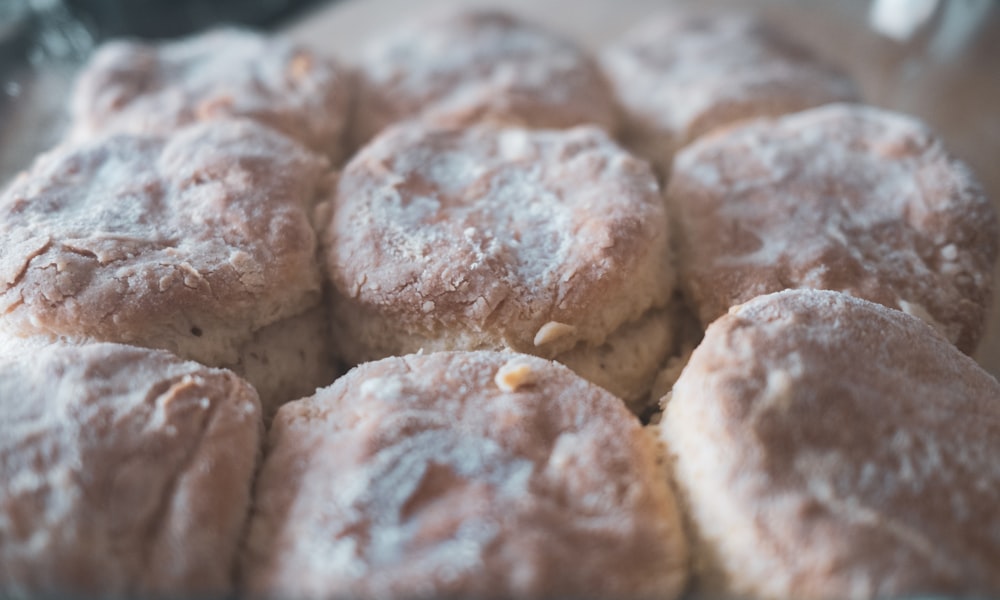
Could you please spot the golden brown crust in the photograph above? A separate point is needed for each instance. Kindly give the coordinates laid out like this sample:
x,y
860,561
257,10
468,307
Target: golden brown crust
x,y
126,473
478,238
429,476
843,197
136,87
189,243
474,65
829,447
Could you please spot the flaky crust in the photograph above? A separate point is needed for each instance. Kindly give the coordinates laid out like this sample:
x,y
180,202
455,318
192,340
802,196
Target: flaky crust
x,y
829,447
682,74
126,473
138,87
189,243
476,238
473,65
843,197
420,477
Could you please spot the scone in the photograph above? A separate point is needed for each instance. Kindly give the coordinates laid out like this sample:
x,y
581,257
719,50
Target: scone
x,y
142,87
542,241
201,243
474,65
831,448
126,473
842,197
462,475
680,75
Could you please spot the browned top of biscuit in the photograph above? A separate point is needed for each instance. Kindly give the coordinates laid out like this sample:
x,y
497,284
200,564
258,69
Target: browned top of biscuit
x,y
844,197
495,232
831,447
161,241
474,65
462,475
682,74
136,87
126,473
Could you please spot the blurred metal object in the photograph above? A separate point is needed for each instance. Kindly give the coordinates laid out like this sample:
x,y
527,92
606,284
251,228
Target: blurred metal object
x,y
900,19
943,29
58,35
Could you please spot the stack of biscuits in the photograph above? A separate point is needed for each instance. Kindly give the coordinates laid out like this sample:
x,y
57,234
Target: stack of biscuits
x,y
485,315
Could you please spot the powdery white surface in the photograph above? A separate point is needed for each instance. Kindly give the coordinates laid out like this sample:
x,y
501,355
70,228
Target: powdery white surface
x,y
844,197
138,87
471,65
476,238
190,243
126,473
420,477
680,75
829,447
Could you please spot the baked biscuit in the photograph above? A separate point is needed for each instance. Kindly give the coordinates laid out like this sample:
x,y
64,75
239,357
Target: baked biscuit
x,y
140,87
126,473
829,447
540,241
462,475
198,243
843,197
680,75
475,65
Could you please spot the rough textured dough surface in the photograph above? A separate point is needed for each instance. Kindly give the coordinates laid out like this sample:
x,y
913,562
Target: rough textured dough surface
x,y
139,87
829,447
126,473
463,66
479,238
842,197
421,477
190,243
681,74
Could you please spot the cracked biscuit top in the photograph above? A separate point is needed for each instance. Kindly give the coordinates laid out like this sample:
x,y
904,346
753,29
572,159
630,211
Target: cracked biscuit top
x,y
843,197
126,473
490,238
830,447
462,475
468,66
136,87
199,238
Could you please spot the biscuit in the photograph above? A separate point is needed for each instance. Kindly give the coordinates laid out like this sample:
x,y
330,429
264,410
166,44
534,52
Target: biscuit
x,y
194,243
126,473
140,87
842,197
540,241
680,75
465,475
829,447
475,65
